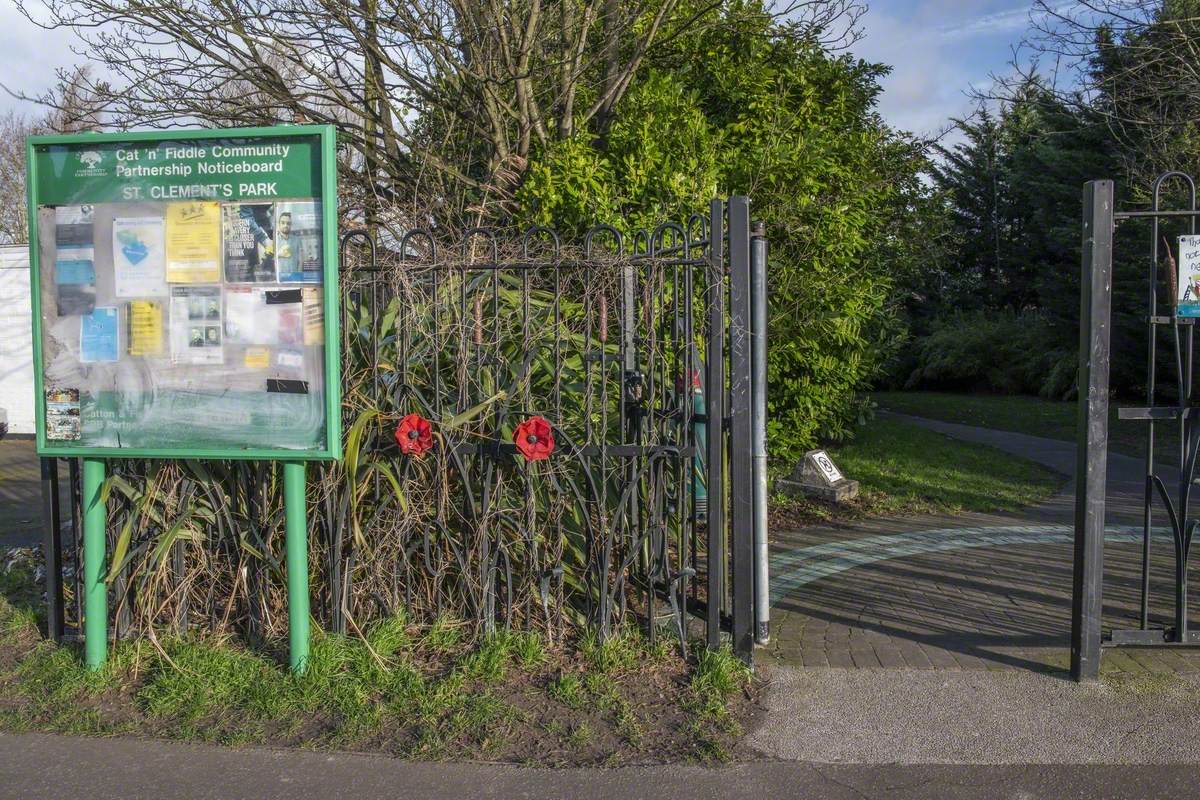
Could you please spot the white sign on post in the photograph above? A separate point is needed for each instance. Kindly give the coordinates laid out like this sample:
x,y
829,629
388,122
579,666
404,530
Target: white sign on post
x,y
817,476
825,465
1188,302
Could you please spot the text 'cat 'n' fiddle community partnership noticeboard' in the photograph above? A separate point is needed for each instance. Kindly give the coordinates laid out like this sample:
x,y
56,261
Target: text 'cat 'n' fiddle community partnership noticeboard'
x,y
185,293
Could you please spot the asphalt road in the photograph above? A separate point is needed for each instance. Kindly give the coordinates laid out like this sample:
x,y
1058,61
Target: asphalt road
x,y
34,766
20,493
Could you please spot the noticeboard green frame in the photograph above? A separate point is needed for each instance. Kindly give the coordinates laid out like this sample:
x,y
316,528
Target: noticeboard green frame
x,y
96,186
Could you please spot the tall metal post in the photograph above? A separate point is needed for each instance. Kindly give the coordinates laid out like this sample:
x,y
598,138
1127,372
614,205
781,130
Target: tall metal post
x,y
52,548
758,393
296,540
95,594
1092,431
715,422
741,465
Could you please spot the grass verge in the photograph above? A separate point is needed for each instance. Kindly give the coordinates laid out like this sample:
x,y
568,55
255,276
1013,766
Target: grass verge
x,y
905,469
1051,419
410,691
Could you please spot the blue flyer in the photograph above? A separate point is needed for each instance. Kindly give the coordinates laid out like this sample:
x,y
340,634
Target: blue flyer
x,y
74,268
98,336
298,256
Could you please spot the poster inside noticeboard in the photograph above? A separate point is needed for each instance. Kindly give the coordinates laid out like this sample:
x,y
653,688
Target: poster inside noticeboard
x,y
1187,304
182,294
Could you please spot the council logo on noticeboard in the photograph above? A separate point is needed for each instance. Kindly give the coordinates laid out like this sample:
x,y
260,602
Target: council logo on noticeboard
x,y
90,161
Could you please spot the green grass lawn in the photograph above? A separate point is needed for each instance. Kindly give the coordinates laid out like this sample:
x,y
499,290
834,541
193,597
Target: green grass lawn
x,y
427,692
904,469
1052,419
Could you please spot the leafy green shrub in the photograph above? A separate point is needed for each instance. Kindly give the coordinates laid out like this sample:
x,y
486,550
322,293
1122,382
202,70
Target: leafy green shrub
x,y
744,107
1004,352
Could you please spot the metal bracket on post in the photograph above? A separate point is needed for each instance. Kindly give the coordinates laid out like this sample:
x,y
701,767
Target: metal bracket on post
x,y
758,394
296,540
1092,432
741,465
95,591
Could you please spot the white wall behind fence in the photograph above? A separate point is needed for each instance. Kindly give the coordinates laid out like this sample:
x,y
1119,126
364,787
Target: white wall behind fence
x,y
16,339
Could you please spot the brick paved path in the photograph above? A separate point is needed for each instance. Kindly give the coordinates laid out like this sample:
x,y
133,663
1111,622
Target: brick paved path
x,y
975,592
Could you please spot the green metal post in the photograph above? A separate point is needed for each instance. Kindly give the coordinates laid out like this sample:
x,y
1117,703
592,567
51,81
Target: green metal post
x,y
95,592
296,514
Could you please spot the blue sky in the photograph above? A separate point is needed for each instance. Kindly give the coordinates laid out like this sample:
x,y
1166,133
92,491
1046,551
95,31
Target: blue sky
x,y
939,49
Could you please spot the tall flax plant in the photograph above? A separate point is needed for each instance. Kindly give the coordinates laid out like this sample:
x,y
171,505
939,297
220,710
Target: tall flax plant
x,y
469,528
195,543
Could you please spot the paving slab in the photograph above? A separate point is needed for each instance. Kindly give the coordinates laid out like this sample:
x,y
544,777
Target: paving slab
x,y
982,592
974,717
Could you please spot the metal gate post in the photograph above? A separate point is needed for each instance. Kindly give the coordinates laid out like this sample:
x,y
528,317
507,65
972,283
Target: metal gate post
x,y
758,391
52,548
1092,431
741,466
714,415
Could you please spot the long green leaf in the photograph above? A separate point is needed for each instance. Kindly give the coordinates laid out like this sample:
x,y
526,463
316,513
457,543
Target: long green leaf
x,y
458,420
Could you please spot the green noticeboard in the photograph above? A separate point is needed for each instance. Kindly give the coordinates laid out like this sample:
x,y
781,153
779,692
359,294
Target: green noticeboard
x,y
184,289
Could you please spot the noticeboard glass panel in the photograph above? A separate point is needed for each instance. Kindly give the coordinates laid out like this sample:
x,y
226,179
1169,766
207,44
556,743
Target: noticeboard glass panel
x,y
185,293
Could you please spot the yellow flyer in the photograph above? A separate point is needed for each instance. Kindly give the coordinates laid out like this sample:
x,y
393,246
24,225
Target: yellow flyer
x,y
257,358
145,328
193,242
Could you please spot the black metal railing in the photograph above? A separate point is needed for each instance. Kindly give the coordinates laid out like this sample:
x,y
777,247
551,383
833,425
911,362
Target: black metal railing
x,y
538,435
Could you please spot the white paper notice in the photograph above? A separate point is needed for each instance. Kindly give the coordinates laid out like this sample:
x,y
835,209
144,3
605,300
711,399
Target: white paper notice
x,y
138,252
1188,304
259,316
292,359
196,325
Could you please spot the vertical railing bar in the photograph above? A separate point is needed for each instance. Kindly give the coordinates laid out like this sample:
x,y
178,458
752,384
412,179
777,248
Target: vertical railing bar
x,y
464,398
687,483
741,480
715,412
1181,631
52,547
1151,375
75,494
606,518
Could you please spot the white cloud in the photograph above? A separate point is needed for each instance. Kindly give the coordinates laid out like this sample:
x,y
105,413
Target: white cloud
x,y
1011,21
939,51
30,57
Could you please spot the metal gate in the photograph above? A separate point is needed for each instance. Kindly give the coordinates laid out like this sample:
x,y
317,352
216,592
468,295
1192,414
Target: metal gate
x,y
1164,327
545,434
